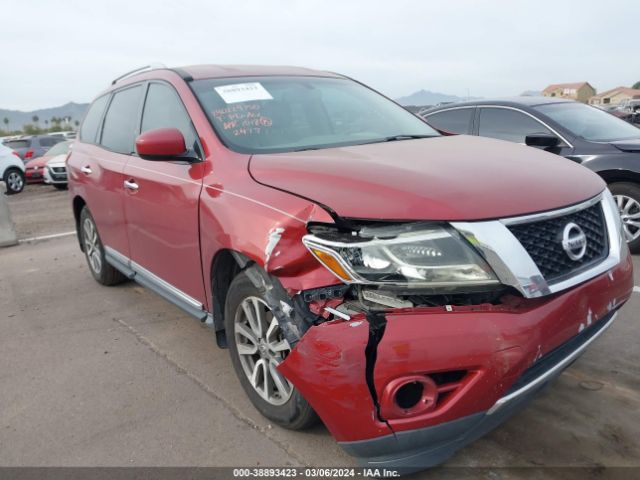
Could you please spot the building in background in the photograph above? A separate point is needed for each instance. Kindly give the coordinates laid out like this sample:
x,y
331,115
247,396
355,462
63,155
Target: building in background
x,y
615,96
580,91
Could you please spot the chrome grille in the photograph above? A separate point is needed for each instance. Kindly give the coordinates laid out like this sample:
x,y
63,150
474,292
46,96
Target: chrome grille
x,y
543,241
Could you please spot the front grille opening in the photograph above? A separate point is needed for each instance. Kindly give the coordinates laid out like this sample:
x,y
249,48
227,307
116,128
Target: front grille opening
x,y
543,242
409,395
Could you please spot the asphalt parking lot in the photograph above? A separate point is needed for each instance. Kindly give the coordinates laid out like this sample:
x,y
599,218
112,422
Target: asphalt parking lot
x,y
97,376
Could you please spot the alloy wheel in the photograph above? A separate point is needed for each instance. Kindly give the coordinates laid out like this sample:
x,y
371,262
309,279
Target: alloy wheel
x,y
261,347
630,215
92,245
14,181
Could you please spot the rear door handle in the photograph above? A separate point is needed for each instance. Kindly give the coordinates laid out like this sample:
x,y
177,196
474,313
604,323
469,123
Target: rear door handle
x,y
131,185
86,170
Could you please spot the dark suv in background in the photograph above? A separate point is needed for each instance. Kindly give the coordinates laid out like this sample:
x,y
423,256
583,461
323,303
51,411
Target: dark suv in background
x,y
34,146
587,135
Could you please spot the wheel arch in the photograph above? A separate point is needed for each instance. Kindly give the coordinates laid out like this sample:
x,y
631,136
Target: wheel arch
x,y
225,266
619,175
78,204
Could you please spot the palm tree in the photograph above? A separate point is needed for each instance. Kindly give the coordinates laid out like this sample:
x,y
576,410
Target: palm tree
x,y
76,123
636,85
5,120
35,119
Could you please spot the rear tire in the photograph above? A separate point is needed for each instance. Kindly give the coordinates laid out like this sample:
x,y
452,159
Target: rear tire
x,y
274,397
14,180
102,271
60,186
627,196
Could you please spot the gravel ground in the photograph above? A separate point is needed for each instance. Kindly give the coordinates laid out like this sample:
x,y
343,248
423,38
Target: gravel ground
x,y
41,210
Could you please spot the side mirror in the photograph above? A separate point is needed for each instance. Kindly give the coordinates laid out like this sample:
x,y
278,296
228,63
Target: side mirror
x,y
542,140
161,144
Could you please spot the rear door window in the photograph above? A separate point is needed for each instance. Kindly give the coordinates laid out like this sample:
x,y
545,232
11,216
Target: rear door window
x,y
91,122
507,124
163,109
120,124
457,120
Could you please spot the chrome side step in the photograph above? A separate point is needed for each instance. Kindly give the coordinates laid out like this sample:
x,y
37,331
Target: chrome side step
x,y
144,277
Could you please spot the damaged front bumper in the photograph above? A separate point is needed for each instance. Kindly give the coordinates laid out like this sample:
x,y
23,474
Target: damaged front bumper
x,y
474,366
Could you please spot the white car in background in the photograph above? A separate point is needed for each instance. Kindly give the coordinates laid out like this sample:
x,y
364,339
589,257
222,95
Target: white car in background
x,y
55,172
11,170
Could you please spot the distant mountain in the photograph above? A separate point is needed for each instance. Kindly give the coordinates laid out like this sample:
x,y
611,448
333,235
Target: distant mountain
x,y
531,93
425,97
17,118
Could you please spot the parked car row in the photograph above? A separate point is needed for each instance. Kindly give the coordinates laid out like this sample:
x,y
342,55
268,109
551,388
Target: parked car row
x,y
33,146
584,134
34,159
628,110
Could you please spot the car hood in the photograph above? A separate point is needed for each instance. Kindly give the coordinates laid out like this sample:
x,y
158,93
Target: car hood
x,y
445,178
627,145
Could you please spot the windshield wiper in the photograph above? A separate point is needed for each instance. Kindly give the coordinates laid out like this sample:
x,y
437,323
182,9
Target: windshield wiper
x,y
395,138
392,138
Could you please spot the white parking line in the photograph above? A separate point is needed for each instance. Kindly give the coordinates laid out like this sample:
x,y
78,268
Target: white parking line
x,y
47,237
636,289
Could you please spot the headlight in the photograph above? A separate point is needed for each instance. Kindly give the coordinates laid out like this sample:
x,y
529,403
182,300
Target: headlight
x,y
410,254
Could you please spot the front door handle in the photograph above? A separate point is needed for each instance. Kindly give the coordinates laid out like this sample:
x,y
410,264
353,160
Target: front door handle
x,y
131,185
86,170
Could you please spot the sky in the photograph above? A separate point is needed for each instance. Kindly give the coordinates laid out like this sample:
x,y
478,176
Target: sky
x,y
60,51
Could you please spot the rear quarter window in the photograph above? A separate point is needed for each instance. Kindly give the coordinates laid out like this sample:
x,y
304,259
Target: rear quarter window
x,y
91,122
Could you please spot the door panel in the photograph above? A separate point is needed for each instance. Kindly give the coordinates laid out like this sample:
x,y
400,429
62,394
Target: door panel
x,y
162,200
162,221
97,176
104,175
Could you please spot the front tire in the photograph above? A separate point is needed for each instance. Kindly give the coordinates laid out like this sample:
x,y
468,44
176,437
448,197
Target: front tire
x,y
627,196
60,186
256,346
14,180
102,271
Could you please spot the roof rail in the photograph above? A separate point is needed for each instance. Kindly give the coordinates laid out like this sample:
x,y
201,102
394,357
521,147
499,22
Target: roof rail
x,y
151,66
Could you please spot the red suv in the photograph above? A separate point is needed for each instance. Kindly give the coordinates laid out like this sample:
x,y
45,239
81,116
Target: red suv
x,y
410,290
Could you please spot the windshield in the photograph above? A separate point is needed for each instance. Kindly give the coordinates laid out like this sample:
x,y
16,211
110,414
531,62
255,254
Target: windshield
x,y
59,149
589,123
283,114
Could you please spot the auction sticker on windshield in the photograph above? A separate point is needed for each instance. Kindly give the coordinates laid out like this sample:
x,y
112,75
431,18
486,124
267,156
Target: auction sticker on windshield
x,y
243,92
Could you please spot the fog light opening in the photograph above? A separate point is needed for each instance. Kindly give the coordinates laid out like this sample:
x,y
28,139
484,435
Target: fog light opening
x,y
409,394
